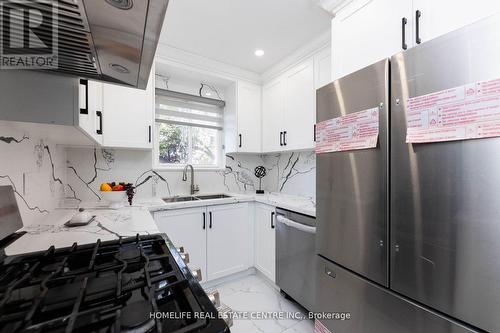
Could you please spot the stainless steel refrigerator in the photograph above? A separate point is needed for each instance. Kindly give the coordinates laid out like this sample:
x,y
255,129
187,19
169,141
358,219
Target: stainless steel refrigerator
x,y
408,235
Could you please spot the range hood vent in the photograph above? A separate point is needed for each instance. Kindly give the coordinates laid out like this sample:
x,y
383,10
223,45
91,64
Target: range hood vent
x,y
106,40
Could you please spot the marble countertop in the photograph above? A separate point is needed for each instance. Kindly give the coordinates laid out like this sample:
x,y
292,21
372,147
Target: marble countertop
x,y
107,225
110,224
297,204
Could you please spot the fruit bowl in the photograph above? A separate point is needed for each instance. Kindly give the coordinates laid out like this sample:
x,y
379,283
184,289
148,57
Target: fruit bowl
x,y
116,199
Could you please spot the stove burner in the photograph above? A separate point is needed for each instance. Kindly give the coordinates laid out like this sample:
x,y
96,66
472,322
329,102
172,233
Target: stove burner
x,y
52,267
154,266
128,254
126,278
136,316
102,287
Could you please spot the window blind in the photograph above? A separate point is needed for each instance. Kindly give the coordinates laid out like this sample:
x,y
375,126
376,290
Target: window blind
x,y
189,110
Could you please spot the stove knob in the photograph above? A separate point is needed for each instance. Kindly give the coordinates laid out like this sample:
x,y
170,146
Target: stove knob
x,y
225,313
185,257
197,274
214,297
180,249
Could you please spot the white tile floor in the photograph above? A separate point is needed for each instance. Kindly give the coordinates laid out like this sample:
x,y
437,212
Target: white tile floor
x,y
255,294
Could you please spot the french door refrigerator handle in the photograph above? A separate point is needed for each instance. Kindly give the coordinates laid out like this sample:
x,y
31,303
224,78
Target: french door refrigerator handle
x,y
204,221
272,220
281,138
210,220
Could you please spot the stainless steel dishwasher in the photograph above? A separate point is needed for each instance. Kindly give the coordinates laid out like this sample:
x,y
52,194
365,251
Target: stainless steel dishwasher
x,y
296,256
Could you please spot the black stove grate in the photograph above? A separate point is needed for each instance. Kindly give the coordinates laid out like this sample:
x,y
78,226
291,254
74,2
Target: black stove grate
x,y
109,286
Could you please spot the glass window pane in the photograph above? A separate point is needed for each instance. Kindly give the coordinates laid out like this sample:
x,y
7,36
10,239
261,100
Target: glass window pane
x,y
204,146
173,144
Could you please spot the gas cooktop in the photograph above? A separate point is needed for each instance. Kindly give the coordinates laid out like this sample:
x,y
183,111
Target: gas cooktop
x,y
137,284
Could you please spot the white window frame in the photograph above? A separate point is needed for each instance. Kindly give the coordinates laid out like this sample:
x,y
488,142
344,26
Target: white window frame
x,y
221,156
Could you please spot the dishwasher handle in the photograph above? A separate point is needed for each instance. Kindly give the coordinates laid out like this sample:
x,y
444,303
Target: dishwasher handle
x,y
295,225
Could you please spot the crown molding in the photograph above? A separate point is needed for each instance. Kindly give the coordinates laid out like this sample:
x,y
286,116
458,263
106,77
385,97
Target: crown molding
x,y
302,53
191,61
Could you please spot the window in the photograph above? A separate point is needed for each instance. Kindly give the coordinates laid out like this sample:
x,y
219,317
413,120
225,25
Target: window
x,y
188,131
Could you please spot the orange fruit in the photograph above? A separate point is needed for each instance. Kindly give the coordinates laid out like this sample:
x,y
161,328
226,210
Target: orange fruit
x,y
105,187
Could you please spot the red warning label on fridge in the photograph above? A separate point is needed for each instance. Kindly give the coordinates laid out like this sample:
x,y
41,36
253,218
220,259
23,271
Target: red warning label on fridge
x,y
320,328
358,130
471,111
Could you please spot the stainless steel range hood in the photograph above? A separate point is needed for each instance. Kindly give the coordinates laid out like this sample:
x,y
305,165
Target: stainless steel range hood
x,y
106,40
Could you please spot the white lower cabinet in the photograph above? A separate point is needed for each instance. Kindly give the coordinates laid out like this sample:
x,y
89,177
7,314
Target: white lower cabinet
x,y
228,244
215,237
265,240
187,228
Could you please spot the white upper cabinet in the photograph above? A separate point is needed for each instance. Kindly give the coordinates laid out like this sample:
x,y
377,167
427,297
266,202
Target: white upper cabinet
x,y
273,104
440,17
366,31
242,123
90,109
127,117
322,68
300,107
249,117
289,104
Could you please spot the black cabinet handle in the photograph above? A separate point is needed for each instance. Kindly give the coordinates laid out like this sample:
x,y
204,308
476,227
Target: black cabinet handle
x,y
404,21
272,220
204,224
210,223
281,138
314,133
99,114
418,14
149,133
85,83
240,140
284,138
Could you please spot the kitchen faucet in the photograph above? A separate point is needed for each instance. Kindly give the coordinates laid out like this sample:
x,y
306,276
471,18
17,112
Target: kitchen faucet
x,y
194,188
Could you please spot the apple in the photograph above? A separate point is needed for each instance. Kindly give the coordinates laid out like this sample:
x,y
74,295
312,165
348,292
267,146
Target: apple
x,y
118,188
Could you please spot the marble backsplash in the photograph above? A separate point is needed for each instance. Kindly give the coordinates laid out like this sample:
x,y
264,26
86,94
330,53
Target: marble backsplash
x,y
289,173
43,174
35,168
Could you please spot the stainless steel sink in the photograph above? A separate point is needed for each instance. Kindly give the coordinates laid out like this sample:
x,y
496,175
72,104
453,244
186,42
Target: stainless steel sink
x,y
213,196
180,199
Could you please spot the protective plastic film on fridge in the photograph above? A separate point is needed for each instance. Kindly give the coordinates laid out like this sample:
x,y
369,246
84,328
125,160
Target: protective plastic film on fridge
x,y
442,197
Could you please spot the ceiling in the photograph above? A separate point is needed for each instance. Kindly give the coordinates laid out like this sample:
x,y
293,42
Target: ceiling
x,y
230,31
